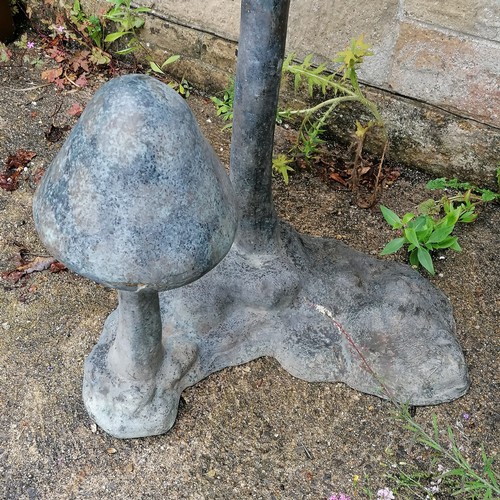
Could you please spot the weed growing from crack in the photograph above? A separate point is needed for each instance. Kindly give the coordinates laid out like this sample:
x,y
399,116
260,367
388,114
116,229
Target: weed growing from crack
x,y
431,227
343,83
460,480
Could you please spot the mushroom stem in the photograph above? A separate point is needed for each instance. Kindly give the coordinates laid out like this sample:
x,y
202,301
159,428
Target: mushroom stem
x,y
258,76
137,351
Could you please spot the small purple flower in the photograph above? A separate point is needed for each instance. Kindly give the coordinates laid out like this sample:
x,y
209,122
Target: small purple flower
x,y
465,416
339,496
385,494
60,28
30,45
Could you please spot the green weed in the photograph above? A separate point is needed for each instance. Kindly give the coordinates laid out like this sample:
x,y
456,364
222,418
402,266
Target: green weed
x,y
281,165
431,227
342,83
225,105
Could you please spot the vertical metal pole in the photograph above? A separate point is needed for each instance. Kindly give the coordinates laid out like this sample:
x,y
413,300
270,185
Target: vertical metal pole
x,y
258,75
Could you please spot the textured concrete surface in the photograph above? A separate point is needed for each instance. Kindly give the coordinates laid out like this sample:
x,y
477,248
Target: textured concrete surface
x,y
480,18
251,431
462,75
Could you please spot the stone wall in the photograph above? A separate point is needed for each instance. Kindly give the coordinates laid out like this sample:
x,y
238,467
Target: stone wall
x,y
435,71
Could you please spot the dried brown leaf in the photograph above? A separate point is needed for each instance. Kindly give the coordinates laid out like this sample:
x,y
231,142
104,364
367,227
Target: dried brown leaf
x,y
15,164
57,266
337,178
81,81
37,264
52,75
37,177
75,109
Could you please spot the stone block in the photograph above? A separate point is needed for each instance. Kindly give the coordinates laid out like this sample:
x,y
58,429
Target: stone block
x,y
206,60
480,18
324,28
459,74
221,17
314,27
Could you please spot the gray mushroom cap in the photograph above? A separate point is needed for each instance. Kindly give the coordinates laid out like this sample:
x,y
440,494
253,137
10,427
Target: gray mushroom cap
x,y
136,197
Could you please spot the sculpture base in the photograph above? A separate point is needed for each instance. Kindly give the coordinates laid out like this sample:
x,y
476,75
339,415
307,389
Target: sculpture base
x,y
324,311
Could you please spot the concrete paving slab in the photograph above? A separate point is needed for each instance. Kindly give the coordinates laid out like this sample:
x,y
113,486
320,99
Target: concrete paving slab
x,y
448,71
479,18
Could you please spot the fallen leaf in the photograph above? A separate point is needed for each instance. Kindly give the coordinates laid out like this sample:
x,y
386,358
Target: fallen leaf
x,y
211,473
51,75
75,109
111,451
12,276
15,164
337,178
37,264
37,177
57,54
80,60
129,468
81,81
57,266
20,159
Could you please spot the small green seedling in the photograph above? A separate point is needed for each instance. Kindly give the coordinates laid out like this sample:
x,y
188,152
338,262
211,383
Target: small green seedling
x,y
426,231
159,68
128,20
281,165
344,85
225,105
88,25
485,194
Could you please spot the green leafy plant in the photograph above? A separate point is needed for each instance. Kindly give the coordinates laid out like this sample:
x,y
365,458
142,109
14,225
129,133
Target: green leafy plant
x,y
310,141
281,165
159,68
461,480
90,25
486,194
128,20
344,85
91,32
29,54
225,105
427,230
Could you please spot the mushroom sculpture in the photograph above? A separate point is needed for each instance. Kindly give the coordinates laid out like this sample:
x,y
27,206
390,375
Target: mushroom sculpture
x,y
137,200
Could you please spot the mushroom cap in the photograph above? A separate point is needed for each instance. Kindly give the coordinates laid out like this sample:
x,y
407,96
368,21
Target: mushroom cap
x,y
136,197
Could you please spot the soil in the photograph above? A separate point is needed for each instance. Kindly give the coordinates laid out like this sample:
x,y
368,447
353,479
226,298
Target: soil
x,y
252,431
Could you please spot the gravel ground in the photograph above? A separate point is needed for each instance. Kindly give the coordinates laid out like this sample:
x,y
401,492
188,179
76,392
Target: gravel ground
x,y
251,431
